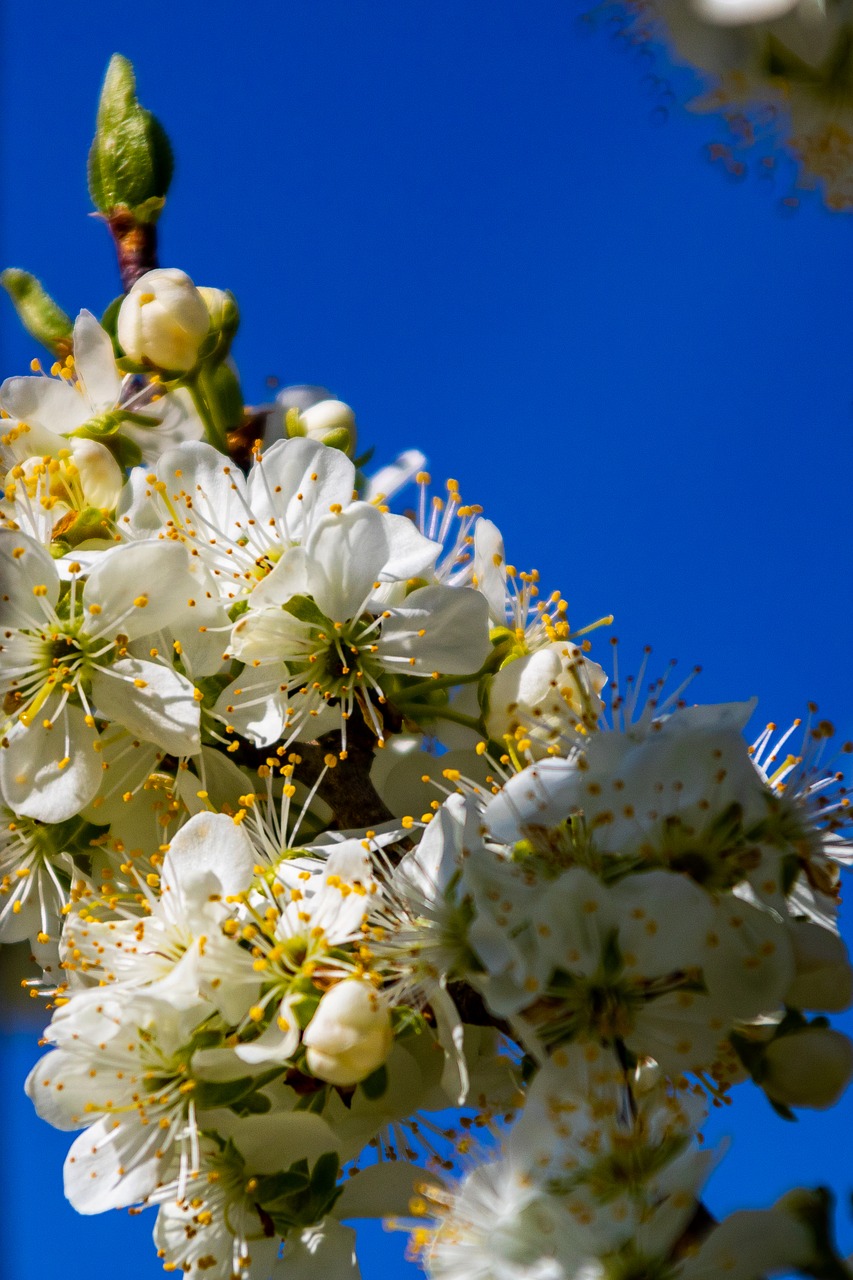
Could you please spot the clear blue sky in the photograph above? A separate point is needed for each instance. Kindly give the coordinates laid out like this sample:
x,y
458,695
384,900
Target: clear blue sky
x,y
468,221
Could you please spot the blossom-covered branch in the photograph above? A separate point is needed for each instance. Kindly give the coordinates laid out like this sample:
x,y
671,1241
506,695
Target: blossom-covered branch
x,y
322,819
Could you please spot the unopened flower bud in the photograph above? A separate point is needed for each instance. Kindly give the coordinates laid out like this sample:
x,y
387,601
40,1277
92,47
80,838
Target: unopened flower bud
x,y
350,1035
163,320
809,1068
329,422
824,978
222,310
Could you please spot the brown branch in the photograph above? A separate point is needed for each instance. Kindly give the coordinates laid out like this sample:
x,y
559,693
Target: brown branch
x,y
243,439
346,788
136,246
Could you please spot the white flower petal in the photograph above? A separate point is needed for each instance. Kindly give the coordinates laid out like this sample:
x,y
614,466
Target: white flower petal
x,y
113,1164
411,555
444,629
47,402
254,704
388,480
324,1252
210,857
152,701
95,365
50,774
346,554
100,475
296,482
25,568
139,588
286,579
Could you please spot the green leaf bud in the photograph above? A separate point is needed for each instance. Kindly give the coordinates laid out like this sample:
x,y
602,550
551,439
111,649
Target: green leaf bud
x,y
37,312
130,160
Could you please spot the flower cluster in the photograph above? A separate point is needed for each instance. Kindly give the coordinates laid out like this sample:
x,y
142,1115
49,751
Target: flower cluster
x,y
318,825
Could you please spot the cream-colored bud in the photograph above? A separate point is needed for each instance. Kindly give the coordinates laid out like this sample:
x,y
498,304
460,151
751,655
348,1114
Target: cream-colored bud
x,y
163,320
221,308
824,978
350,1034
329,422
809,1068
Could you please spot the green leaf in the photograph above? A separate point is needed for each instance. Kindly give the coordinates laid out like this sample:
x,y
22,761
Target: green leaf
x,y
223,1093
37,311
256,1104
273,1187
130,160
375,1085
325,1173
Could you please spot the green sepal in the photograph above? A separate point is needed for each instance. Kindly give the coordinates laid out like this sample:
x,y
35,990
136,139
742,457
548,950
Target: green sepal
x,y
109,322
611,956
363,458
37,311
78,526
313,1102
304,609
784,1112
126,452
130,160
751,1055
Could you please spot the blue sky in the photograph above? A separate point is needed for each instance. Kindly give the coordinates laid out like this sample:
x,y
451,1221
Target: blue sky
x,y
472,222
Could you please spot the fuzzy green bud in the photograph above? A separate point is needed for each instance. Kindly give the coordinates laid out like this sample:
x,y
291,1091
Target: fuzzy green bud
x,y
130,160
37,312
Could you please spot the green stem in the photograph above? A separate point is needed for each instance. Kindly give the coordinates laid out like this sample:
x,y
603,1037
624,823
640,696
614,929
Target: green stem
x,y
442,682
214,429
443,713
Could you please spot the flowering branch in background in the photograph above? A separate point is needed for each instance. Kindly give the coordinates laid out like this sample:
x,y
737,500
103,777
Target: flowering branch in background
x,y
778,71
321,820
